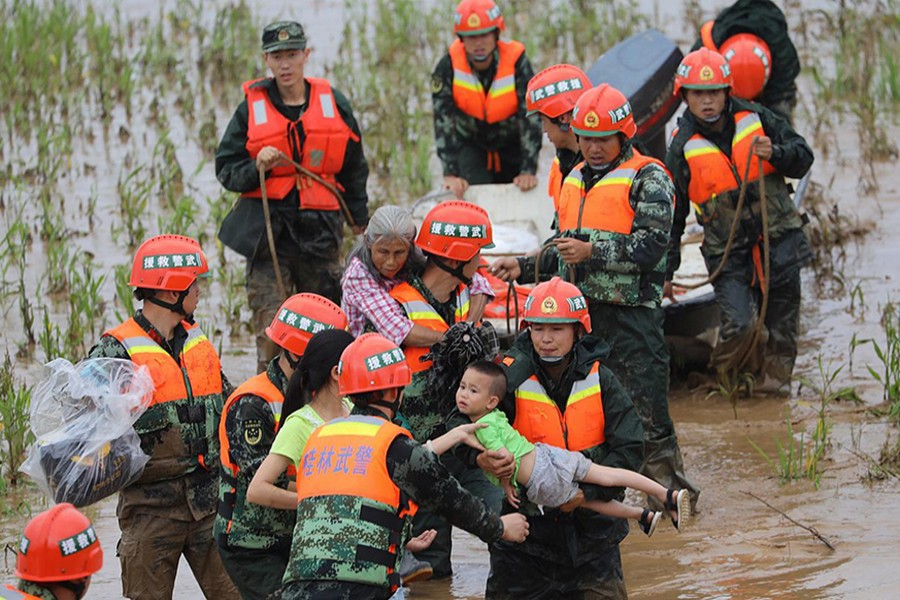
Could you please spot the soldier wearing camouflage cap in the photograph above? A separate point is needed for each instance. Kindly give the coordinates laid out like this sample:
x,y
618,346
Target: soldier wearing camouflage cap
x,y
615,214
481,129
310,123
169,511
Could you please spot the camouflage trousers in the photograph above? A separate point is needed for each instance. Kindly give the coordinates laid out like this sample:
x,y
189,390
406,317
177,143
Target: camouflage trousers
x,y
256,572
331,590
149,551
319,274
438,554
639,359
773,352
473,164
517,575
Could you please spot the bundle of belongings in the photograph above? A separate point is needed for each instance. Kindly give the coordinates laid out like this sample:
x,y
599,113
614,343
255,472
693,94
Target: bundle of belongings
x,y
82,417
462,344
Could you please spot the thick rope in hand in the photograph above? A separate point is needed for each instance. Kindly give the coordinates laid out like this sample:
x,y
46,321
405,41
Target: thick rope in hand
x,y
734,223
570,271
331,188
269,234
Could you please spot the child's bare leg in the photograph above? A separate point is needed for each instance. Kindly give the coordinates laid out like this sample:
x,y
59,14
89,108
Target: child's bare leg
x,y
613,477
614,508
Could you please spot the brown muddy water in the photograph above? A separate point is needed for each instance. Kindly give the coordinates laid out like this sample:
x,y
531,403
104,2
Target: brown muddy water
x,y
737,548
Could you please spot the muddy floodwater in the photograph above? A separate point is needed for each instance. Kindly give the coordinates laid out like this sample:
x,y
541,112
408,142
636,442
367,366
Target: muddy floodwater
x,y
737,547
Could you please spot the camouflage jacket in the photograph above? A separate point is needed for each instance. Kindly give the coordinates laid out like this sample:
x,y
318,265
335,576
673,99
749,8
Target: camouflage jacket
x,y
36,590
453,128
250,427
763,18
420,475
791,156
295,230
193,495
619,259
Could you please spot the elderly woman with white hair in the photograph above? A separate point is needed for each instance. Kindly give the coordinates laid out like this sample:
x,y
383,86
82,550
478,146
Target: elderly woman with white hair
x,y
381,259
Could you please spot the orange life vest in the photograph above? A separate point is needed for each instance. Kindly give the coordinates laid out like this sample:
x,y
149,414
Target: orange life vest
x,y
199,373
706,36
321,145
607,205
555,183
581,426
501,101
421,313
712,172
8,592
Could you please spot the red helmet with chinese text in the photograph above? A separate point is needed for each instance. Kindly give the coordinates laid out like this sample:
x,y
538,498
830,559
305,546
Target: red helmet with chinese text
x,y
168,262
750,61
371,363
475,17
703,69
557,301
456,230
58,545
302,316
603,111
553,91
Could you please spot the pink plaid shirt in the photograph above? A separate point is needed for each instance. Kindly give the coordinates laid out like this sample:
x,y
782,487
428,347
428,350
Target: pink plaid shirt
x,y
365,298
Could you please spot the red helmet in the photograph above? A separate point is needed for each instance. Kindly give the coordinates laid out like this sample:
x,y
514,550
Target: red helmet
x,y
302,316
703,69
553,91
557,301
371,363
456,230
750,62
168,262
58,545
603,111
474,17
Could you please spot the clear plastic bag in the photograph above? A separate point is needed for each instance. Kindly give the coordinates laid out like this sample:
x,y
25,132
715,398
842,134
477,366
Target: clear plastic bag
x,y
82,416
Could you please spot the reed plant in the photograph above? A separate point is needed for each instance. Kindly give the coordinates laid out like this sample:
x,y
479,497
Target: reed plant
x,y
887,373
798,458
15,434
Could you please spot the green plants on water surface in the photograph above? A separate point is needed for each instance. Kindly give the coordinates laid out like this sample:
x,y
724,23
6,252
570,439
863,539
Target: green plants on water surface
x,y
15,434
888,353
799,458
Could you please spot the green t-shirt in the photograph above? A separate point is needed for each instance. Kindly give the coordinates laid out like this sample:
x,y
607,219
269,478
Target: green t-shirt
x,y
295,431
500,434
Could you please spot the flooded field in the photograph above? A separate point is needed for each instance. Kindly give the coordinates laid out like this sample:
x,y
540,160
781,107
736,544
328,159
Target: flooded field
x,y
100,167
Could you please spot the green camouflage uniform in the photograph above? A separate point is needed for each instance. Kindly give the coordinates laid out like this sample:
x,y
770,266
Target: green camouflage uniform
x,y
426,421
169,510
308,242
737,293
39,591
255,548
463,141
569,555
623,283
420,476
764,19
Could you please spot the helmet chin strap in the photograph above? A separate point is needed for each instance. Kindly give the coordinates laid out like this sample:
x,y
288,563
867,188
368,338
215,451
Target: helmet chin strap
x,y
177,306
455,271
78,587
295,364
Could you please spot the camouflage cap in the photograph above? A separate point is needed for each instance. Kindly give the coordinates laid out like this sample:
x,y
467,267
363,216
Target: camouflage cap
x,y
283,35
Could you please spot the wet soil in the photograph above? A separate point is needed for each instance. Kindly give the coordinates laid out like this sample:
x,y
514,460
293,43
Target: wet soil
x,y
737,547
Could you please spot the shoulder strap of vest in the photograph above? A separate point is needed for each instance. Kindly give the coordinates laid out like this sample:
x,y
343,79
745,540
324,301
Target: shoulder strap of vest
x,y
249,84
706,35
513,48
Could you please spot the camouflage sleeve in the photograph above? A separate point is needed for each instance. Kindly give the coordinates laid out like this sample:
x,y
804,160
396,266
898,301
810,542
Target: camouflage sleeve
x,y
108,347
624,445
355,170
250,428
791,155
420,474
641,250
681,175
530,132
235,170
444,108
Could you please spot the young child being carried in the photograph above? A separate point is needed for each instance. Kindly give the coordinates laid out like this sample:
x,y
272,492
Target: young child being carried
x,y
551,475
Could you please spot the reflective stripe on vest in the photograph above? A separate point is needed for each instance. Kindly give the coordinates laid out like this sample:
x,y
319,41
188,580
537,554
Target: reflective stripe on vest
x,y
501,102
8,592
201,374
712,172
421,313
324,143
607,205
582,426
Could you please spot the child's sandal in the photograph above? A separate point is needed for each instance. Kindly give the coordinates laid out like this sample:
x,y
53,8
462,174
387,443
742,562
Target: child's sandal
x,y
678,501
647,522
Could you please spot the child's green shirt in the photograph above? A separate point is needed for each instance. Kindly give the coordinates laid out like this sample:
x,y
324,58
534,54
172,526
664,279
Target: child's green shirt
x,y
500,434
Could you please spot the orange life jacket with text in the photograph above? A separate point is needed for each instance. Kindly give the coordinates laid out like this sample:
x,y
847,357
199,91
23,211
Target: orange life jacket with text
x,y
712,172
607,205
581,426
421,313
500,102
320,140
